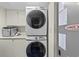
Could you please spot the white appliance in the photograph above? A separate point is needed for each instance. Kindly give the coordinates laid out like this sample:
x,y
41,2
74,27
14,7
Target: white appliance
x,y
31,48
36,21
36,49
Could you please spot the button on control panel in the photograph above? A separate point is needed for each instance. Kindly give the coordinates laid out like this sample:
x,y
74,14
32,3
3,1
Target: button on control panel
x,y
42,38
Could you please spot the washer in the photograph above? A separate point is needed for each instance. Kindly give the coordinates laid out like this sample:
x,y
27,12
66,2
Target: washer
x,y
25,48
36,49
36,21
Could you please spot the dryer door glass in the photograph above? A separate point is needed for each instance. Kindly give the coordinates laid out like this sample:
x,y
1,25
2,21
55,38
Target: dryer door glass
x,y
35,49
36,19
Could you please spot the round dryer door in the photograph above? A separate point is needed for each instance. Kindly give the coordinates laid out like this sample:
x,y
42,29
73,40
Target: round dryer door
x,y
35,49
36,19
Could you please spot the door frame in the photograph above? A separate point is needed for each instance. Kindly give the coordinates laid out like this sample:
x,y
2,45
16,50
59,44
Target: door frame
x,y
56,29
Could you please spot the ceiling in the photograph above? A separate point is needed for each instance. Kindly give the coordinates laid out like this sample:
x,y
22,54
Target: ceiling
x,y
22,5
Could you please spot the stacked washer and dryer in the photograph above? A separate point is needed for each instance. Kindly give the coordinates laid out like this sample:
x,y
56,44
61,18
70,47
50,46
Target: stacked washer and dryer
x,y
37,33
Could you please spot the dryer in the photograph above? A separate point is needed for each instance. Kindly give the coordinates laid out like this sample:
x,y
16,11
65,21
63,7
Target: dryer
x,y
36,21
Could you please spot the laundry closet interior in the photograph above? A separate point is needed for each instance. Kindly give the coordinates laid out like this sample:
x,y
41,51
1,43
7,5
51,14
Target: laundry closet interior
x,y
25,28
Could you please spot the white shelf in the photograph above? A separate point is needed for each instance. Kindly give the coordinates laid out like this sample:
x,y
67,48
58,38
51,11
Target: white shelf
x,y
23,35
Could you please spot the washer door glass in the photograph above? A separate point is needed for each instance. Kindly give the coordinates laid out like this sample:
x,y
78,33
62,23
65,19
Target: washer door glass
x,y
35,49
36,19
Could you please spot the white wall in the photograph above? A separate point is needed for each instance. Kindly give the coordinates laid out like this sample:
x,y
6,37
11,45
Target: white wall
x,y
51,29
22,5
2,17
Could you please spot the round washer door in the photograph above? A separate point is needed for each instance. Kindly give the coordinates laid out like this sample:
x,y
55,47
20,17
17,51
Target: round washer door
x,y
36,19
35,49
